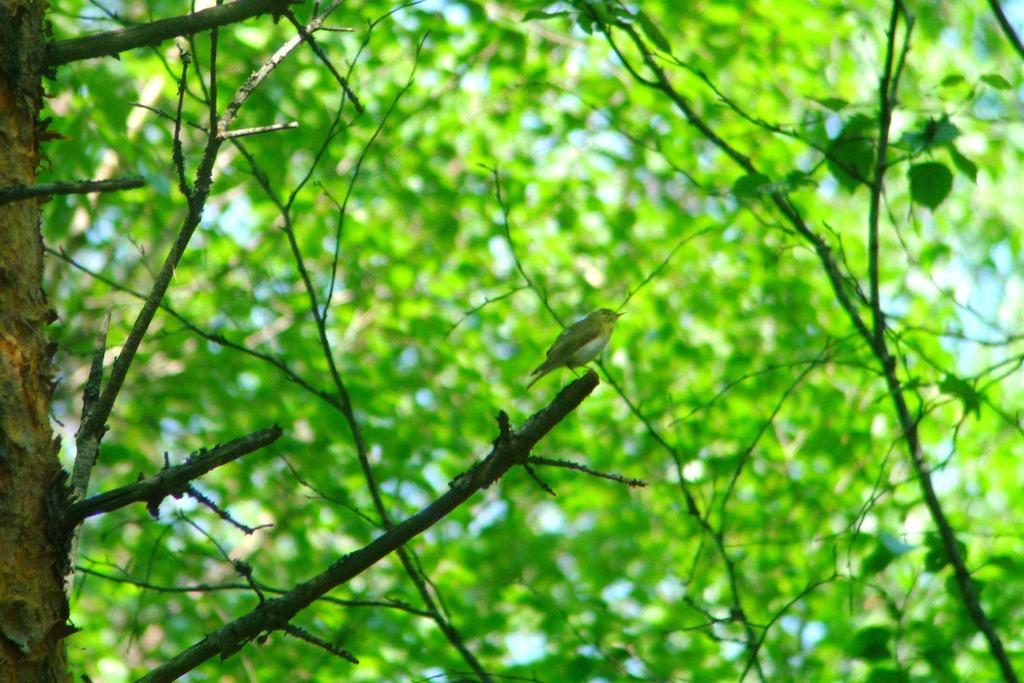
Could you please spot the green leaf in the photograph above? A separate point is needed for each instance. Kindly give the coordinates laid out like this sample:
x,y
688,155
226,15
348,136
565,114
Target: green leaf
x,y
930,183
871,643
752,185
652,31
887,549
1008,563
931,253
934,132
895,545
951,80
940,131
850,162
541,15
887,675
797,179
951,385
936,558
963,164
996,81
833,103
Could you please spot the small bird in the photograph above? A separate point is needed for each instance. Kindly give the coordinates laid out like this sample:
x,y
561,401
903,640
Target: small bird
x,y
579,343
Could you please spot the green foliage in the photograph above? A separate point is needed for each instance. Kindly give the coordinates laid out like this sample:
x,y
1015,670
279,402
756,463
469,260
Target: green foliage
x,y
734,377
930,183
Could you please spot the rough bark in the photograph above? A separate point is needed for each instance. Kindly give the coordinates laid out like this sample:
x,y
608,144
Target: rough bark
x,y
33,609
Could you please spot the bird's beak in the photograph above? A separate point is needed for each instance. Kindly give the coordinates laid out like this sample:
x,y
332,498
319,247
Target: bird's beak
x,y
619,315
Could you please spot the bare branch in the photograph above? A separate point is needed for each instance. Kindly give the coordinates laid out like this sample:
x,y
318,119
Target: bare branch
x,y
258,130
305,635
570,465
203,499
172,481
14,194
511,448
110,43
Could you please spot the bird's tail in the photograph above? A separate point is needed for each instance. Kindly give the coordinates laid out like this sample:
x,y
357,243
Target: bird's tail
x,y
541,370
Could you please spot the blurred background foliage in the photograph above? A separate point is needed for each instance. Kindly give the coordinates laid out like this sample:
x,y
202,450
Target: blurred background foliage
x,y
733,354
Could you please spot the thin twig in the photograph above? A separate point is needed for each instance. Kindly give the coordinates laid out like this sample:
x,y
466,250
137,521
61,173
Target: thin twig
x,y
570,465
177,155
203,499
342,209
661,266
211,588
505,211
213,337
302,634
480,307
308,37
258,130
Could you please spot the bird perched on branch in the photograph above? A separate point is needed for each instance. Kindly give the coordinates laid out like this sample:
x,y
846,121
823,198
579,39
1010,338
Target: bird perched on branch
x,y
579,343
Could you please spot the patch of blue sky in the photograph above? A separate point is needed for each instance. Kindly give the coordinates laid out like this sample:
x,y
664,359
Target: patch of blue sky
x,y
523,647
235,220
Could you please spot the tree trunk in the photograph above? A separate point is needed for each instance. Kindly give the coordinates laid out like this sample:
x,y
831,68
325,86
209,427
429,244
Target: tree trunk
x,y
33,608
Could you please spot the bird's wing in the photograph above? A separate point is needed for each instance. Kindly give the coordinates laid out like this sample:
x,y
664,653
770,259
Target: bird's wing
x,y
572,337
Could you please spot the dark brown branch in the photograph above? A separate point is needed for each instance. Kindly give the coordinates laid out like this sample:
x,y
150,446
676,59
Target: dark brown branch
x,y
205,500
171,481
110,43
510,448
13,194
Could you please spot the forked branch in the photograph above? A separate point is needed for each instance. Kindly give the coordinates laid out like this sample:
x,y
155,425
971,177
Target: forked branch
x,y
512,447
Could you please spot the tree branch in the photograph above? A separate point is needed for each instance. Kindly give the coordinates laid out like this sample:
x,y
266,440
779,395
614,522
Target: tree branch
x,y
13,194
171,481
110,43
258,130
510,448
887,87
